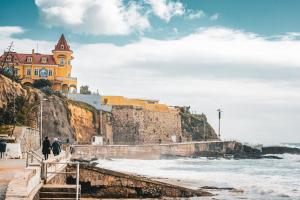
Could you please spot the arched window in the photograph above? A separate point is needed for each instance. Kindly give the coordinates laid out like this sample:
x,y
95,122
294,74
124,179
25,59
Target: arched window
x,y
29,59
62,46
62,61
44,59
8,58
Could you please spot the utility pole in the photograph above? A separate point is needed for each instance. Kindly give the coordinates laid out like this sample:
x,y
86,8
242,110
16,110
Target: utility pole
x,y
204,124
219,114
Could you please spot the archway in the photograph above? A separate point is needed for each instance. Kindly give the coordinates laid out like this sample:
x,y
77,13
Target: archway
x,y
27,84
65,88
73,89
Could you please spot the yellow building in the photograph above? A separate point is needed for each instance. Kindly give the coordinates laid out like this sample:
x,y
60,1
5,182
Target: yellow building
x,y
55,67
147,104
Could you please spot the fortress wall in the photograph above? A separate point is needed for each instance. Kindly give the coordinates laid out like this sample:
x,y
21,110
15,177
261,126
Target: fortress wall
x,y
154,151
136,125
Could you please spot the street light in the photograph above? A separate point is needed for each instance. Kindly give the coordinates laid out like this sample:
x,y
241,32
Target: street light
x,y
219,114
41,119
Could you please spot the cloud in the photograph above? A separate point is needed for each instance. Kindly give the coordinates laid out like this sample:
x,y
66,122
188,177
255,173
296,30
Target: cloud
x,y
166,9
214,17
95,17
195,14
7,31
255,80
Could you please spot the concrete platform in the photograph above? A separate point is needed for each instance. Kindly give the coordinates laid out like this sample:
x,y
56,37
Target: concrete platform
x,y
8,169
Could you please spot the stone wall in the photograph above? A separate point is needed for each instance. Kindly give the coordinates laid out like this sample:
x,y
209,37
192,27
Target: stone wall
x,y
106,126
156,151
102,183
136,125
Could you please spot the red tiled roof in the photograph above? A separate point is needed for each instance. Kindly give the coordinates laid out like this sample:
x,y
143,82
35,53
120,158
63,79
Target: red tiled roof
x,y
21,58
62,44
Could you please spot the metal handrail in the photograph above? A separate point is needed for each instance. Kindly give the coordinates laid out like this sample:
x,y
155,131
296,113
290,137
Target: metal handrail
x,y
40,156
33,155
44,163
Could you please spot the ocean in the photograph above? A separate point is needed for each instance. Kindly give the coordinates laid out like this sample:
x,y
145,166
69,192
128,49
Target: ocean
x,y
263,179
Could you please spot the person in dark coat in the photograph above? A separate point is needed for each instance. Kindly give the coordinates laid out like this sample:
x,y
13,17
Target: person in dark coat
x,y
56,147
46,147
2,148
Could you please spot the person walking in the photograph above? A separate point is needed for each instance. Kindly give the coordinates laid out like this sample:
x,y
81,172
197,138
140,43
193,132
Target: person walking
x,y
56,147
46,147
2,148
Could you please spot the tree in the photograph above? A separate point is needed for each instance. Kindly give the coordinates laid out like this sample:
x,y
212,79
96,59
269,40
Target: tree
x,y
42,83
85,89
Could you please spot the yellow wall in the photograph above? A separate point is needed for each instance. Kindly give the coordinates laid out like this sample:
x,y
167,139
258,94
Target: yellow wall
x,y
120,100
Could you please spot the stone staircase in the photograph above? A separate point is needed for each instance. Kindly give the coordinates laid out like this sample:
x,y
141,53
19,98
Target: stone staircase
x,y
58,192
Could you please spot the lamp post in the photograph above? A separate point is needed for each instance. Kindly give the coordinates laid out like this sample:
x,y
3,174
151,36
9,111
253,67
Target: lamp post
x,y
41,119
219,115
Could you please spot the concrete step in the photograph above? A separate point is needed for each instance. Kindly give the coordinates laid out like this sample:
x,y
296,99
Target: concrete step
x,y
58,198
58,192
59,188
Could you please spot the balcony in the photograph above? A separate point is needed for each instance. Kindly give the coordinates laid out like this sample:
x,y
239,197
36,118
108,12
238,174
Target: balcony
x,y
67,80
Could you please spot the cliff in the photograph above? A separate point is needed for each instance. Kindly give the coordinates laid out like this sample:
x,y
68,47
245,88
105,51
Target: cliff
x,y
61,117
78,121
196,127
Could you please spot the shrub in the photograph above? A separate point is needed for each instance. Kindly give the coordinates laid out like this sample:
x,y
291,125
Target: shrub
x,y
42,83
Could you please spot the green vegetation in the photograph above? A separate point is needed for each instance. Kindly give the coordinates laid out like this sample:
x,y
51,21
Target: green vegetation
x,y
8,72
42,83
85,89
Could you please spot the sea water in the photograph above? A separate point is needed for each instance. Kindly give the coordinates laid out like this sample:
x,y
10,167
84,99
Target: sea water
x,y
262,179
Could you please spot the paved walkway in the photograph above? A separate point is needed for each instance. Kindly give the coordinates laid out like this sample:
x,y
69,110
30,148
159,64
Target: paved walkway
x,y
8,168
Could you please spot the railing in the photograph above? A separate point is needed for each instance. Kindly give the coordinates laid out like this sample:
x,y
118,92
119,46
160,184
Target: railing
x,y
33,155
46,172
47,168
66,78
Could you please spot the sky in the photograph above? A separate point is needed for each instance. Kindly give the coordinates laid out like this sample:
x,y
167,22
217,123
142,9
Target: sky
x,y
240,56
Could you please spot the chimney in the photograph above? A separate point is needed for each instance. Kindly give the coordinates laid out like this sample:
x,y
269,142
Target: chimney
x,y
32,51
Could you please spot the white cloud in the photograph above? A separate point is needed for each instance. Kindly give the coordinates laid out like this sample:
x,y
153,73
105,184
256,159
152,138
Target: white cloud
x,y
96,17
253,79
214,17
6,31
166,9
195,14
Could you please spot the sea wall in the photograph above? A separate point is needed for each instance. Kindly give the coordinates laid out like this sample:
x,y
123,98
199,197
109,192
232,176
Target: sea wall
x,y
155,151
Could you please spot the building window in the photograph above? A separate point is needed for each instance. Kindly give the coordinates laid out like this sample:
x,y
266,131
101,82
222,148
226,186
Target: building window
x,y
28,72
44,59
50,72
62,46
29,59
62,61
69,62
8,58
36,72
16,72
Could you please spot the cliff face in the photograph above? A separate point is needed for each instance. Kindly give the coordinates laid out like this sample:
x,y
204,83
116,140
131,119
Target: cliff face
x,y
8,89
83,119
61,118
195,127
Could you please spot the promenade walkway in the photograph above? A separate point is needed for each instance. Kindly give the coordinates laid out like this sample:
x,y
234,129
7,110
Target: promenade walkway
x,y
8,169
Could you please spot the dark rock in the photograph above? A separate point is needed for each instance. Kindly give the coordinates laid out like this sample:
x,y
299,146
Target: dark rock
x,y
280,150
